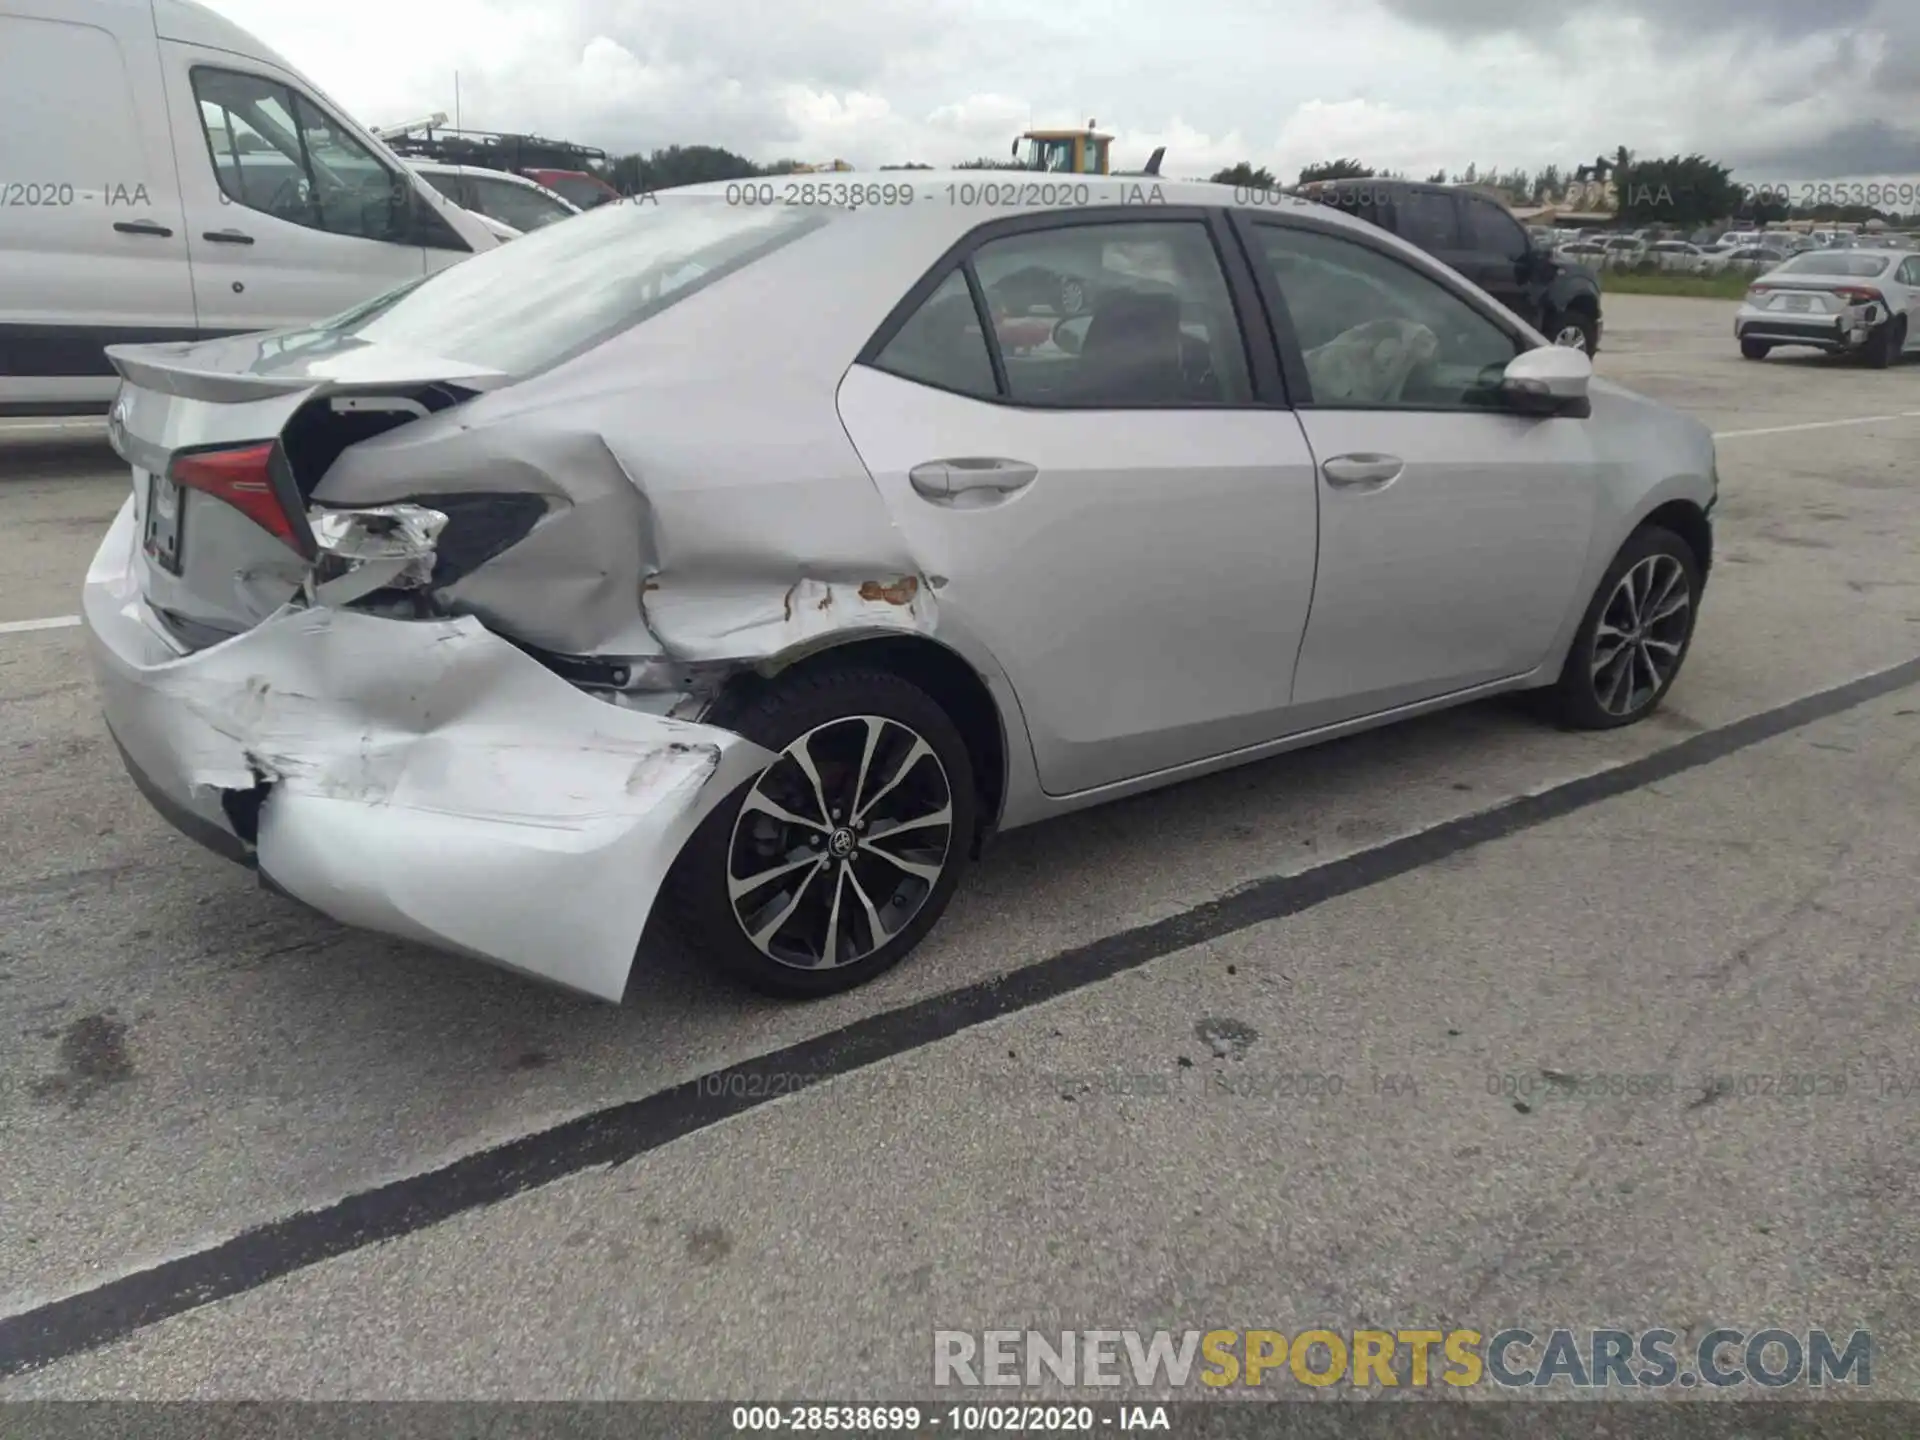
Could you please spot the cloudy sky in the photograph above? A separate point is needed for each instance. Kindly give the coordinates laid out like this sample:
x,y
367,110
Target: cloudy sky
x,y
1784,90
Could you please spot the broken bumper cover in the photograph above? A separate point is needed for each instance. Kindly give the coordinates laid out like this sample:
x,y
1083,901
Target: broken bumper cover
x,y
425,779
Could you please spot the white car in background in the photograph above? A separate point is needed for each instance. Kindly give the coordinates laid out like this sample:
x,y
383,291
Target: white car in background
x,y
1677,256
1741,260
1625,250
1845,302
509,200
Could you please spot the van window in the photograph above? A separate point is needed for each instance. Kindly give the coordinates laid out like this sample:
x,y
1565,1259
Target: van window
x,y
67,80
277,152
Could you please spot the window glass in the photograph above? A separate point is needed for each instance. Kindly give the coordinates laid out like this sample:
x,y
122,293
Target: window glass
x,y
520,206
1148,317
562,290
90,120
1427,218
943,344
1492,230
1378,333
275,151
1837,262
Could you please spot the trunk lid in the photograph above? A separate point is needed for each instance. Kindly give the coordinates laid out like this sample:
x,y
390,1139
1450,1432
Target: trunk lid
x,y
208,569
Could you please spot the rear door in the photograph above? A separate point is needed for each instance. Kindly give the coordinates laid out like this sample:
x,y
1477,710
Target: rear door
x,y
1124,516
1452,534
288,214
1496,255
93,249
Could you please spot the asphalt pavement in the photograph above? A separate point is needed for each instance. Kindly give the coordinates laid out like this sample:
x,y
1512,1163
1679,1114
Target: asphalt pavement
x,y
1321,1041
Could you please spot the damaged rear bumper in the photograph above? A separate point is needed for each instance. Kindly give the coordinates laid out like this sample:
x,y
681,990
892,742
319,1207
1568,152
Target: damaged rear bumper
x,y
425,779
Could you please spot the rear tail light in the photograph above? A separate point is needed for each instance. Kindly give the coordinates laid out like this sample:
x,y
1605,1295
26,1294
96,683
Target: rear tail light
x,y
254,481
1859,295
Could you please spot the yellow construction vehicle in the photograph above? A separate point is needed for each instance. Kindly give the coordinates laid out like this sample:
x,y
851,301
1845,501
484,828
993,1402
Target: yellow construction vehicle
x,y
1073,152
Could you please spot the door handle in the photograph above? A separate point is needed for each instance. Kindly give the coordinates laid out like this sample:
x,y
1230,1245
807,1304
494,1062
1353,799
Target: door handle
x,y
1362,472
228,237
141,227
941,479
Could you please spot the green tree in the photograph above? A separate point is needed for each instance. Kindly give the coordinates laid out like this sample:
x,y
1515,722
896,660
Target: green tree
x,y
1439,177
1548,182
983,163
1343,169
1684,191
680,165
1244,177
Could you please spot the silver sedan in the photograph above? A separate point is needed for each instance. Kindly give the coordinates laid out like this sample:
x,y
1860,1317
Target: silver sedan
x,y
764,548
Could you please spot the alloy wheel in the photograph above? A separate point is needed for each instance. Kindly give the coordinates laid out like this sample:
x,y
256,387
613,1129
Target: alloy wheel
x,y
839,842
1641,633
1073,297
1571,337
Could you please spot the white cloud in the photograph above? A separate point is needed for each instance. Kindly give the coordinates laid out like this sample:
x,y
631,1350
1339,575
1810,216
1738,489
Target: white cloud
x,y
1410,85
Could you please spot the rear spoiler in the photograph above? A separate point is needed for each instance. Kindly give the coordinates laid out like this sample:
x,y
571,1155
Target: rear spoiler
x,y
173,368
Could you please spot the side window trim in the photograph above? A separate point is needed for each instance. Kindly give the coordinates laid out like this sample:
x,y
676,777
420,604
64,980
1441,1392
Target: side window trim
x,y
983,312
1292,357
1240,275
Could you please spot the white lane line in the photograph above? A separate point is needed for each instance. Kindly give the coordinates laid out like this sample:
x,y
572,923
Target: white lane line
x,y
21,427
52,622
1815,425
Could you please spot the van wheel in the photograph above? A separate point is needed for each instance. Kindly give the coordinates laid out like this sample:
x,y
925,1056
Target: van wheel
x,y
1755,349
1634,637
832,864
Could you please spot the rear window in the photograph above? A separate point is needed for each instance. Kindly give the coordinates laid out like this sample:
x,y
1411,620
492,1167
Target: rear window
x,y
1831,262
563,289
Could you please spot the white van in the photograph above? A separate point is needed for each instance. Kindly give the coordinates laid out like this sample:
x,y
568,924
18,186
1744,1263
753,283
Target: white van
x,y
165,176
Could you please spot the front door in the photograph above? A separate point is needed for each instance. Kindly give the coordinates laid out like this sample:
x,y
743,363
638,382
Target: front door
x,y
1452,535
287,213
1110,509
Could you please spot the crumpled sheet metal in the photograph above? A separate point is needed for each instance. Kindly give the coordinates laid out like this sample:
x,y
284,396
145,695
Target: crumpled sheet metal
x,y
722,620
430,780
656,543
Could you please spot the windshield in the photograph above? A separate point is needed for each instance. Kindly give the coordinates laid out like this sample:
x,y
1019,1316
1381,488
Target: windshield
x,y
582,191
566,288
1849,264
512,203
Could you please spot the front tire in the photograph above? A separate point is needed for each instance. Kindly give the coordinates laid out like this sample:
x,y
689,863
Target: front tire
x,y
792,885
1755,349
1634,637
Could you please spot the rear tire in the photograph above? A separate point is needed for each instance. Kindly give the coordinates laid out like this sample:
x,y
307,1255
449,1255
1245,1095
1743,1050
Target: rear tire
x,y
1755,349
1885,344
1634,637
772,932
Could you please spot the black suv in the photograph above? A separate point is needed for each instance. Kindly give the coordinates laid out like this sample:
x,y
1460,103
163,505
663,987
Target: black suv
x,y
1479,237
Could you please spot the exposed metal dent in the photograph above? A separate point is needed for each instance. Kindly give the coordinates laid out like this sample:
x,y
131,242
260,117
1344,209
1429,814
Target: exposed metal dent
x,y
426,779
713,620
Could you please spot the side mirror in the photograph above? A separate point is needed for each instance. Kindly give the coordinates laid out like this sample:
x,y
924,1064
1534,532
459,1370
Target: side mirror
x,y
1071,334
1551,380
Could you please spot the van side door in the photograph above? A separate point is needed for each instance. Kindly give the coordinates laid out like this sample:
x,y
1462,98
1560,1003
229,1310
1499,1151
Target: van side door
x,y
95,249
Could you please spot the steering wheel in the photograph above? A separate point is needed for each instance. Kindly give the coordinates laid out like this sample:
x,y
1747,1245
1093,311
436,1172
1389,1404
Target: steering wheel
x,y
289,193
